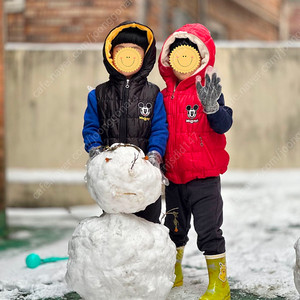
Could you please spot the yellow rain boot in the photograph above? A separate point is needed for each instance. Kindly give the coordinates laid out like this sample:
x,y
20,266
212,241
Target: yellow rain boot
x,y
178,268
218,287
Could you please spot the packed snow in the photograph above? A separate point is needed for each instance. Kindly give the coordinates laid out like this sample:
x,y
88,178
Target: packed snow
x,y
121,256
120,179
117,255
297,266
261,227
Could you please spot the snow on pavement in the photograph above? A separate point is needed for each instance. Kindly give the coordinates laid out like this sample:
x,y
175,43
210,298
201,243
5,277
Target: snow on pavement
x,y
261,225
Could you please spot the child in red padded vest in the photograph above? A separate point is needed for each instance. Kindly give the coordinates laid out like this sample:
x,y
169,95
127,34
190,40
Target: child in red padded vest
x,y
195,154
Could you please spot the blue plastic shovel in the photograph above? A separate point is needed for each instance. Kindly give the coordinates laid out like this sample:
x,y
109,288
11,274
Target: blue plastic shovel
x,y
33,260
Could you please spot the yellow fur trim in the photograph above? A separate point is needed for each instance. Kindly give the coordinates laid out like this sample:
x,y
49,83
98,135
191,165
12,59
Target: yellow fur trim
x,y
116,31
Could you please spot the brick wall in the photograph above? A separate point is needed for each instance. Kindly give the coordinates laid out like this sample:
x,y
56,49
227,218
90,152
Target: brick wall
x,y
246,21
46,21
294,20
226,19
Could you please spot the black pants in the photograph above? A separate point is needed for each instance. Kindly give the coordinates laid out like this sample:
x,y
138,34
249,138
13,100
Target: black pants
x,y
202,198
151,212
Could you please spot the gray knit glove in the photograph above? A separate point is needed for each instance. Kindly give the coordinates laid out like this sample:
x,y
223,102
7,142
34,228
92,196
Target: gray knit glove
x,y
95,151
156,160
210,93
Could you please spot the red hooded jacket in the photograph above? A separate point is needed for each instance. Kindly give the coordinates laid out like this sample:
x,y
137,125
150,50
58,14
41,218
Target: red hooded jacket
x,y
194,149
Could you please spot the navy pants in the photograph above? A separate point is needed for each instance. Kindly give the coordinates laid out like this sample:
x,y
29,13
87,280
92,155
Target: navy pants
x,y
202,199
151,212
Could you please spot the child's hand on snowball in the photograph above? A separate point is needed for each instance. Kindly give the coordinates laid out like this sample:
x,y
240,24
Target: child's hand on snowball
x,y
210,93
95,151
156,160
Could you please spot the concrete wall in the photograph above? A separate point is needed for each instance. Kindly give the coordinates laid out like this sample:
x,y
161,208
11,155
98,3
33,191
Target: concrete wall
x,y
46,91
2,154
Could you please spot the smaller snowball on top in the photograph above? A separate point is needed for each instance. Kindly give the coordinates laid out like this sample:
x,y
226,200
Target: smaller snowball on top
x,y
122,180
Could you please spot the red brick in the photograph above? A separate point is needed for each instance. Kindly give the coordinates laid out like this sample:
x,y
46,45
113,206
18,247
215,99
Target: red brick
x,y
78,18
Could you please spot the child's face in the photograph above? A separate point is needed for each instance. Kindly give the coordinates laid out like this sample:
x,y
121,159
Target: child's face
x,y
184,61
128,61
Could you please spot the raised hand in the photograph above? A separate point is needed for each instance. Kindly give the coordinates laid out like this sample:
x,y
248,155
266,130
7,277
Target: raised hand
x,y
210,93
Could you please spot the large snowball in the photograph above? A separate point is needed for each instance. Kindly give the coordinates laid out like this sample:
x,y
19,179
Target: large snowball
x,y
121,180
297,266
119,256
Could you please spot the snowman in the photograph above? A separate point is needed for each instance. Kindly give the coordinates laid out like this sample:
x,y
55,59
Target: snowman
x,y
297,266
119,255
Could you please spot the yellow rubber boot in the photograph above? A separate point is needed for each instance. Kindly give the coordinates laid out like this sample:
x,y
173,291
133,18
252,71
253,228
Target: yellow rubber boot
x,y
218,287
178,269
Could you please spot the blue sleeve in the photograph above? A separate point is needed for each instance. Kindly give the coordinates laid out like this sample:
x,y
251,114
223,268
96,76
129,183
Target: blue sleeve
x,y
159,127
221,120
91,125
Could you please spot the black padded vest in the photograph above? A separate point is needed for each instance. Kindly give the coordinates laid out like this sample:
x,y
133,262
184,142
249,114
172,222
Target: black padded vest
x,y
125,111
125,108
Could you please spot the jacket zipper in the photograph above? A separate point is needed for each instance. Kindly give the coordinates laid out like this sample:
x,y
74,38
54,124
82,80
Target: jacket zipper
x,y
123,119
174,108
172,97
207,151
201,142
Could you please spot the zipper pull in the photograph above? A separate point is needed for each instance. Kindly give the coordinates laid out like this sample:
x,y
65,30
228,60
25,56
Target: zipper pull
x,y
201,142
127,84
172,97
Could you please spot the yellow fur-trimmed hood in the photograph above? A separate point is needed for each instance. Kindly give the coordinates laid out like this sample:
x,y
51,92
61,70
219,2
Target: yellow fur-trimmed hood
x,y
150,54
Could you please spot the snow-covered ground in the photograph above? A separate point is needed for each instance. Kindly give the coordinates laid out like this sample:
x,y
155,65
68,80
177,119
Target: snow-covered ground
x,y
261,225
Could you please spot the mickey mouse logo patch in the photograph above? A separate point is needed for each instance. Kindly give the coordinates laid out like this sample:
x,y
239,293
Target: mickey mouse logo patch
x,y
192,113
145,110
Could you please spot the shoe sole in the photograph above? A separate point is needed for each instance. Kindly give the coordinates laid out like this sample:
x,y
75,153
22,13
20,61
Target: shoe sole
x,y
179,283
